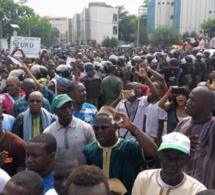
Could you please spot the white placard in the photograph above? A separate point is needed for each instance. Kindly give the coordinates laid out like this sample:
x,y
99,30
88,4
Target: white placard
x,y
29,45
69,60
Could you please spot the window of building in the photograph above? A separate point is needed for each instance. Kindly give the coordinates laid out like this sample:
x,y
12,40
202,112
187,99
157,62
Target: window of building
x,y
210,12
163,3
115,17
172,3
114,30
171,17
168,3
159,3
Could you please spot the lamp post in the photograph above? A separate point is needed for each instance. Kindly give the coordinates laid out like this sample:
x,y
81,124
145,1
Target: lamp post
x,y
15,28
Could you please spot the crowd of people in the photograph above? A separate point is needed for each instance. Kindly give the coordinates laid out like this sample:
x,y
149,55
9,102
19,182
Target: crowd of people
x,y
131,121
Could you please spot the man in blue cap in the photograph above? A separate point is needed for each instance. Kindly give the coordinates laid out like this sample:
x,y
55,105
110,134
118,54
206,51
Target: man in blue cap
x,y
70,132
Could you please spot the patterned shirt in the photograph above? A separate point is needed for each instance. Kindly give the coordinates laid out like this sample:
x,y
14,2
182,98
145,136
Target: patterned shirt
x,y
87,113
201,165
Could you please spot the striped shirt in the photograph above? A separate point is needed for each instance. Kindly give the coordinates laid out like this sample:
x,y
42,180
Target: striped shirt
x,y
201,165
87,113
75,136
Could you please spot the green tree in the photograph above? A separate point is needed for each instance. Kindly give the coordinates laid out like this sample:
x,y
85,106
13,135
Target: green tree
x,y
194,34
128,28
53,39
127,25
35,26
164,36
12,13
30,24
209,26
185,35
106,42
113,42
122,12
110,42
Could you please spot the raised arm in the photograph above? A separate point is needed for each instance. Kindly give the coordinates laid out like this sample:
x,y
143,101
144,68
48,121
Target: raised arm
x,y
148,145
29,73
18,49
154,92
117,100
163,103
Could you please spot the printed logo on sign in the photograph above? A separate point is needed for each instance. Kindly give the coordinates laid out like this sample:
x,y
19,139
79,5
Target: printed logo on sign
x,y
15,43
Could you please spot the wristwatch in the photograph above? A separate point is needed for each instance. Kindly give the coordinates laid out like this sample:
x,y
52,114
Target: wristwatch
x,y
135,132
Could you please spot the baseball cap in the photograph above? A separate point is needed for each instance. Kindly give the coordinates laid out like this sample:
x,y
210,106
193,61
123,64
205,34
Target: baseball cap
x,y
60,100
177,141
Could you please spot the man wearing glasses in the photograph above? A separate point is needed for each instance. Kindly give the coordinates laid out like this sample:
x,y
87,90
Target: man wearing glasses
x,y
118,157
34,120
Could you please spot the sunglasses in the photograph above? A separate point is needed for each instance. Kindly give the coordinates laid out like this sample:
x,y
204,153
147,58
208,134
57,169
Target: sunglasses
x,y
103,127
37,101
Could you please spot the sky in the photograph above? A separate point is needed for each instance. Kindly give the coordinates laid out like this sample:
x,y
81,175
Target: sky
x,y
68,8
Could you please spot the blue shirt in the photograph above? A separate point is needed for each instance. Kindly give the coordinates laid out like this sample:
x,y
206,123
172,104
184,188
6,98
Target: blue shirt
x,y
87,113
48,182
8,121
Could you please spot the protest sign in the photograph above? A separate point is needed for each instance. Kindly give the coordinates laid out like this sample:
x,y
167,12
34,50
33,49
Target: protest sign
x,y
69,60
29,45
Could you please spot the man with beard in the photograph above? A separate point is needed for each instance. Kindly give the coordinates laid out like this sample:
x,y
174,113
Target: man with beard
x,y
201,125
174,153
69,131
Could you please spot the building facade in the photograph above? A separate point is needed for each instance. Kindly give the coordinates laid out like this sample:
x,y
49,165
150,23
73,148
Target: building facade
x,y
62,24
94,24
183,15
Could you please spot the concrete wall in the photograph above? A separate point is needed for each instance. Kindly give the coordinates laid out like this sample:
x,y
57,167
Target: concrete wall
x,y
3,44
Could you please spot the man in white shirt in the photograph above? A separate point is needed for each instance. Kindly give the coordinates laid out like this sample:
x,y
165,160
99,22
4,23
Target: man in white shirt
x,y
4,177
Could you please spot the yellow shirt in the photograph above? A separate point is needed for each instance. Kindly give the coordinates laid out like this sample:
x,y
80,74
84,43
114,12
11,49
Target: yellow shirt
x,y
146,183
36,126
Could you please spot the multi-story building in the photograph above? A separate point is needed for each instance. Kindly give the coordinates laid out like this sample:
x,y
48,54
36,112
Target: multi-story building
x,y
76,34
183,15
62,24
96,22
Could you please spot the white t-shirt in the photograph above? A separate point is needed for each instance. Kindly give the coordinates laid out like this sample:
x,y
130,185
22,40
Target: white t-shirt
x,y
51,192
138,116
153,114
4,177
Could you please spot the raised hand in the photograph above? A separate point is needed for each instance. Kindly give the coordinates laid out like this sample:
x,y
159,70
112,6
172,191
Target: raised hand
x,y
142,72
